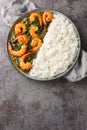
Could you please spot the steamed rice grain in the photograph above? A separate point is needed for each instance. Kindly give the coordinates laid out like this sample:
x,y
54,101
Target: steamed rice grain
x,y
59,48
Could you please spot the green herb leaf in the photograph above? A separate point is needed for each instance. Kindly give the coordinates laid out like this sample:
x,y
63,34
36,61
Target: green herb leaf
x,y
28,46
16,60
30,58
16,46
12,37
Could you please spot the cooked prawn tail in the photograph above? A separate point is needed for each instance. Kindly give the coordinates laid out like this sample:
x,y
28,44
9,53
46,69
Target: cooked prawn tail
x,y
35,15
33,31
23,65
22,39
36,44
18,53
47,17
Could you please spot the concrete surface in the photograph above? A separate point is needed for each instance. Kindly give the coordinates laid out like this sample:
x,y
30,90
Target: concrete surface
x,y
26,104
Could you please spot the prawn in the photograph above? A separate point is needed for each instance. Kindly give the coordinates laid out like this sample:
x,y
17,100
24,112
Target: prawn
x,y
36,44
23,65
20,28
33,32
35,15
22,39
47,17
18,53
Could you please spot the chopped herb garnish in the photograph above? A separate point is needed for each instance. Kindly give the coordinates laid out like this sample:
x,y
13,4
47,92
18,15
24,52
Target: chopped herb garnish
x,y
16,60
39,31
12,37
36,22
28,46
41,12
30,58
25,19
16,46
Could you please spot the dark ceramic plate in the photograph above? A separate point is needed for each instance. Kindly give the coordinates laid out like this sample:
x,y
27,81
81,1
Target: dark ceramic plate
x,y
70,66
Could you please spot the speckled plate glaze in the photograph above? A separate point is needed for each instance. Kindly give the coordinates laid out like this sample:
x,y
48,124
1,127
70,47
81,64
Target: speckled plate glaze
x,y
70,66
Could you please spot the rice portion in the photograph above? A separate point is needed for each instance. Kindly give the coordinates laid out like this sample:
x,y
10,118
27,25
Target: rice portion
x,y
59,48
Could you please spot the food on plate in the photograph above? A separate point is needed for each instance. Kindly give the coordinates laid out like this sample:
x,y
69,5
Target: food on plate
x,y
33,31
33,17
20,28
23,65
36,44
17,53
58,50
26,38
47,17
43,44
22,39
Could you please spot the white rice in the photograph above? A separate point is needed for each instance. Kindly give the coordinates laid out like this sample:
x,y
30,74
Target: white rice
x,y
59,48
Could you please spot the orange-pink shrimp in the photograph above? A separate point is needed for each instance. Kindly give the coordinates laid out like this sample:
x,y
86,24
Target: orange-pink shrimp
x,y
20,28
35,15
33,31
36,44
23,65
47,17
18,53
22,39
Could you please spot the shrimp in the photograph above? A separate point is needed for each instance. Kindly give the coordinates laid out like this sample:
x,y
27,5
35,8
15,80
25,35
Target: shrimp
x,y
22,39
18,53
47,17
35,15
23,65
32,32
20,28
36,44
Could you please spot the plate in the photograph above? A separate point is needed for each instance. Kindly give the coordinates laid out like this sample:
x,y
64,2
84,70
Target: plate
x,y
56,76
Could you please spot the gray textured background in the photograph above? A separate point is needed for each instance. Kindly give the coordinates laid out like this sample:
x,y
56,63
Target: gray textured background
x,y
31,105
